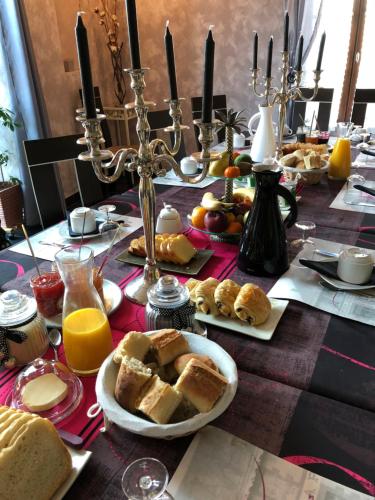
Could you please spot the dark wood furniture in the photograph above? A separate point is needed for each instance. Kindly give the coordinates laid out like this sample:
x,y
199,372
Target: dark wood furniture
x,y
298,109
42,156
158,121
362,97
219,103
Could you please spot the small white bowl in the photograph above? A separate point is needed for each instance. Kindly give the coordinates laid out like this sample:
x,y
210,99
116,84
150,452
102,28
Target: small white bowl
x,y
82,215
355,266
189,166
105,388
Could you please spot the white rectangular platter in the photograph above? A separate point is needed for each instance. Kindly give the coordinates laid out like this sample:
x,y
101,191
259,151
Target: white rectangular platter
x,y
79,460
262,332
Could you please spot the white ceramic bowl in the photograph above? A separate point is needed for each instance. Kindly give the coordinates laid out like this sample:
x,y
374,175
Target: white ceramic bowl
x,y
105,387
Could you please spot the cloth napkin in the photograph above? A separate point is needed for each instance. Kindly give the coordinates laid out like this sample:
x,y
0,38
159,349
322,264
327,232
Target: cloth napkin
x,y
329,268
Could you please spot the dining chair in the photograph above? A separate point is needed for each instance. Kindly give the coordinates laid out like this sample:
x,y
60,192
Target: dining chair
x,y
158,121
297,110
219,103
362,98
41,157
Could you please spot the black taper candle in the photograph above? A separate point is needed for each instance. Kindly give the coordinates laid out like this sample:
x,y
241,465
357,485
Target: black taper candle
x,y
286,31
269,58
299,54
208,81
255,51
131,12
85,69
168,40
320,54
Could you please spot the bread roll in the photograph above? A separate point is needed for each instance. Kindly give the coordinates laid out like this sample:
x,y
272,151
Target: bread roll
x,y
36,462
204,294
201,385
131,377
134,345
182,361
167,345
252,305
158,400
225,295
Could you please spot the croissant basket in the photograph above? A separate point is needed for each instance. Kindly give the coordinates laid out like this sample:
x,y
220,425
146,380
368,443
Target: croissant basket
x,y
309,177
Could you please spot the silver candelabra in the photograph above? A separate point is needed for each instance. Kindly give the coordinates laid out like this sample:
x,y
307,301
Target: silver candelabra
x,y
288,90
147,162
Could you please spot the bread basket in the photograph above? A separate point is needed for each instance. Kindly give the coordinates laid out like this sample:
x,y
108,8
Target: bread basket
x,y
308,177
105,386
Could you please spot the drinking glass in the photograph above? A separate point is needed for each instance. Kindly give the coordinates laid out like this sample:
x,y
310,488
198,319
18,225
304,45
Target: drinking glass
x,y
343,129
145,479
304,246
365,138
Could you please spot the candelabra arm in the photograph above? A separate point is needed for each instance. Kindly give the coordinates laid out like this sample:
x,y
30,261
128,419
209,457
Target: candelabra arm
x,y
301,96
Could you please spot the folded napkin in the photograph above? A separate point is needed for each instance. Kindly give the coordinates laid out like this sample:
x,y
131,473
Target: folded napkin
x,y
329,268
72,234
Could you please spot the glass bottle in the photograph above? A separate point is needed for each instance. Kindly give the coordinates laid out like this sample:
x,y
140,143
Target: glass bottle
x,y
86,332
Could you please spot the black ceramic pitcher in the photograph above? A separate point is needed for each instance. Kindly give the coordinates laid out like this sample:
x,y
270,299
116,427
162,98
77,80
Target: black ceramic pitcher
x,y
263,246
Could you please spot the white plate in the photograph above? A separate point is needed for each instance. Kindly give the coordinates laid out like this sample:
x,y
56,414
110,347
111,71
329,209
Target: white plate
x,y
262,332
305,170
345,286
64,233
112,297
105,387
79,460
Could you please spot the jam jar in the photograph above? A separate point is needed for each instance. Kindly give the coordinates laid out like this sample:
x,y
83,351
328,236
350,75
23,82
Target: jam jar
x,y
169,305
23,332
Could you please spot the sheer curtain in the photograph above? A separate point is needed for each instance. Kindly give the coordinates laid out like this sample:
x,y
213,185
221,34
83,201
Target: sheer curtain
x,y
18,92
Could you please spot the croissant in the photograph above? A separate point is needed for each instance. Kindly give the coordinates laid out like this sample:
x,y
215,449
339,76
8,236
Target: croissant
x,y
192,284
204,293
225,295
252,305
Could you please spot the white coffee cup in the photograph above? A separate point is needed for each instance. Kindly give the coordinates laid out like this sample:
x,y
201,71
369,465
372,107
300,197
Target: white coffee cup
x,y
238,140
355,266
80,216
188,166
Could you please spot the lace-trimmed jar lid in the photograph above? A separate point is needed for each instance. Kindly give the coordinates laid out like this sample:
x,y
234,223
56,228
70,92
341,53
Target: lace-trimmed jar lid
x,y
16,308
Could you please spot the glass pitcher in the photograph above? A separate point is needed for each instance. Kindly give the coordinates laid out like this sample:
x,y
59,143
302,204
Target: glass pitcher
x,y
86,332
340,160
263,246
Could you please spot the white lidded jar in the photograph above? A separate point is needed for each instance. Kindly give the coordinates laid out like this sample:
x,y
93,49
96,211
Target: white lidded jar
x,y
23,333
169,221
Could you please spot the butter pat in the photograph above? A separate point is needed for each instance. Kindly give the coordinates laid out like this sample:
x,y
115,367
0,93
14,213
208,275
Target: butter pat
x,y
44,392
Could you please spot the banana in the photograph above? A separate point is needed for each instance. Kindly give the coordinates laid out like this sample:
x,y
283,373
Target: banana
x,y
210,202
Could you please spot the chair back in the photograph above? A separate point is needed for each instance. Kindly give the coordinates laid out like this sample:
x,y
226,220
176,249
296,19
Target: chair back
x,y
41,156
219,103
159,120
362,97
298,109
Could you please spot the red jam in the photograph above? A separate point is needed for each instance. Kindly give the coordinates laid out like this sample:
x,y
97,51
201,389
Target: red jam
x,y
48,289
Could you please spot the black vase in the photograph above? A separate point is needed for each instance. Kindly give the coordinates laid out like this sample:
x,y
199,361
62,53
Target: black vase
x,y
263,246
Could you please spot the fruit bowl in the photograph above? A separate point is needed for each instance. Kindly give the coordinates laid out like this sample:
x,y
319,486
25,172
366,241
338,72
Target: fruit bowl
x,y
222,237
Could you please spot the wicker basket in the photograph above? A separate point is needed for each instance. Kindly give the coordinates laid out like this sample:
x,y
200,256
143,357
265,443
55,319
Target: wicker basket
x,y
11,204
309,177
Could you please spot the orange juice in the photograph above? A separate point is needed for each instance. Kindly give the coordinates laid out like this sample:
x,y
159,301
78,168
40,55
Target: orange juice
x,y
340,160
87,340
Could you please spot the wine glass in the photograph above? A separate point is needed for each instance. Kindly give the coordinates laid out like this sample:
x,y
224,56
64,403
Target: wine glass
x,y
145,479
304,246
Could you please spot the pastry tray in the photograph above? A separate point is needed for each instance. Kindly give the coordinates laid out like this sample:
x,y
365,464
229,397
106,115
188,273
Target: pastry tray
x,y
191,269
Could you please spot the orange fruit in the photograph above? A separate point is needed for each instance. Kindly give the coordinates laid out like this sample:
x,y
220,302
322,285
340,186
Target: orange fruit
x,y
234,227
230,217
232,172
197,217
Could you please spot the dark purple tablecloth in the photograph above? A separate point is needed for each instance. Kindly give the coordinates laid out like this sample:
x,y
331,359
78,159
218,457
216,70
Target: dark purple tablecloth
x,y
309,392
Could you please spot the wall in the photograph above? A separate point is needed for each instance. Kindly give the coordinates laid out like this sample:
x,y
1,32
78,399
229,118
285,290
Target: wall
x,y
51,24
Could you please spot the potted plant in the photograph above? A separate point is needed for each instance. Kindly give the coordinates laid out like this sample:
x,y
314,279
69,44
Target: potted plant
x,y
11,199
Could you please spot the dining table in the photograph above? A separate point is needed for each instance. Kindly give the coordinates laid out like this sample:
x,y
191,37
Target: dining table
x,y
307,395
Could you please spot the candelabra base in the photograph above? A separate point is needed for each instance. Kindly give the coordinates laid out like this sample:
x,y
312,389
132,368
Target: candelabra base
x,y
136,290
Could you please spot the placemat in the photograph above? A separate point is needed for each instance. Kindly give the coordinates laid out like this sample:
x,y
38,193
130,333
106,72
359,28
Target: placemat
x,y
339,201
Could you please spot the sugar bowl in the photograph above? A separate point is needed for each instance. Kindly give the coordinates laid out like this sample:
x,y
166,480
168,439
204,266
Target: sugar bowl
x,y
355,266
23,333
